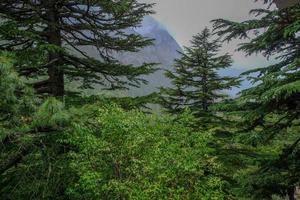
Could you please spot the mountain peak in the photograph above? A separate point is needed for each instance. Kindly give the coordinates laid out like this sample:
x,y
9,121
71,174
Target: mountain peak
x,y
164,51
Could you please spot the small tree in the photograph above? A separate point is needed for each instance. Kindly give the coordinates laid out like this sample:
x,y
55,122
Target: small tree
x,y
196,80
49,38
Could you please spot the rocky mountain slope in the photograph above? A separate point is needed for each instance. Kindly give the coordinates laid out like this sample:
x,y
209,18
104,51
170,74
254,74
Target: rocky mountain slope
x,y
164,51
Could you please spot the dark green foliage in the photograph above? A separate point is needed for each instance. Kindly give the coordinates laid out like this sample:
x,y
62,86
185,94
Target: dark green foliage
x,y
104,148
99,151
103,152
127,103
196,82
49,38
269,112
50,116
16,100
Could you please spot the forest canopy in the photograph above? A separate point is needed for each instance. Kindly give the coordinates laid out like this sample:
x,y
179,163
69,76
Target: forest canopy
x,y
58,143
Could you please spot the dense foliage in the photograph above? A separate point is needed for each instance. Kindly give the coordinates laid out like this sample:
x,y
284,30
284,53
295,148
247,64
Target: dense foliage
x,y
99,151
94,147
268,113
52,38
16,99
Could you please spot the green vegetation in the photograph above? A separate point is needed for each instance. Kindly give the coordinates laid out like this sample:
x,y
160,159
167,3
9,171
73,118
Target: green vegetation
x,y
196,82
269,112
50,39
208,147
100,151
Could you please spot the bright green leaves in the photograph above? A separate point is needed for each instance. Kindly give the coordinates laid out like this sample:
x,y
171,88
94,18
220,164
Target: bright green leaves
x,y
135,156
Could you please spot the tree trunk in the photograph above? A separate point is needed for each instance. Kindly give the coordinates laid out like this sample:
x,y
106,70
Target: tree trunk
x,y
205,91
291,193
204,85
56,81
55,69
297,193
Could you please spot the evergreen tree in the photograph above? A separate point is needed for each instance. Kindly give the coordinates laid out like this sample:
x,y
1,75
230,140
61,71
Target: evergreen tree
x,y
270,110
196,80
49,38
16,99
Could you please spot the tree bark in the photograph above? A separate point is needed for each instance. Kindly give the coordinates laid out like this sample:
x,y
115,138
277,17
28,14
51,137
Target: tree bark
x,y
55,69
205,91
291,193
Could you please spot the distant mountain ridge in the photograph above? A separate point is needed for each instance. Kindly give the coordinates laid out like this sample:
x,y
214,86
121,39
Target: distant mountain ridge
x,y
164,51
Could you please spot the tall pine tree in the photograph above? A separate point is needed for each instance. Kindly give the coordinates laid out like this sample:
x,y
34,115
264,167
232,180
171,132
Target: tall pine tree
x,y
196,80
49,38
270,110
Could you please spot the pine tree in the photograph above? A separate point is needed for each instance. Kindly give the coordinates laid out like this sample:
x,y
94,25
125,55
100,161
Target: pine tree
x,y
16,99
196,81
49,38
270,110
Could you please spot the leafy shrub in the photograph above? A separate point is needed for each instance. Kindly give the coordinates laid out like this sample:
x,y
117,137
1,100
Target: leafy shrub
x,y
104,152
130,155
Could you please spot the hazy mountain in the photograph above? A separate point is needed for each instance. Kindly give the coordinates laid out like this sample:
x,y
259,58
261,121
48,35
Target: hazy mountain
x,y
164,51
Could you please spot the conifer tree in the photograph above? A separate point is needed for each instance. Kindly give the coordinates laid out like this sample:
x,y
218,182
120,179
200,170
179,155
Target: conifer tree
x,y
270,110
16,99
196,80
49,38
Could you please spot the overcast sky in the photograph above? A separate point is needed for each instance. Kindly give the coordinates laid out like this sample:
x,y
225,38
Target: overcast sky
x,y
185,18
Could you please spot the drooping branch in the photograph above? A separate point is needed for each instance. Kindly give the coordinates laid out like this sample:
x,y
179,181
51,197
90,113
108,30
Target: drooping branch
x,y
55,28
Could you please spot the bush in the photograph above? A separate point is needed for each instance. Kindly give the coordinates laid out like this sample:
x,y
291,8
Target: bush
x,y
104,152
131,155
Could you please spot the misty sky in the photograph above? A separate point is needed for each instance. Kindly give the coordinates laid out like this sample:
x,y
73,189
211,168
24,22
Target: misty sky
x,y
184,18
